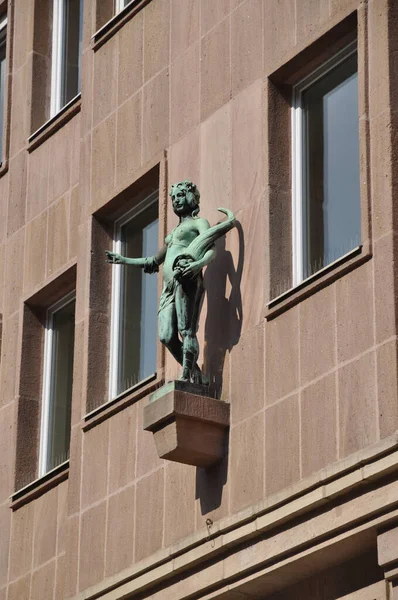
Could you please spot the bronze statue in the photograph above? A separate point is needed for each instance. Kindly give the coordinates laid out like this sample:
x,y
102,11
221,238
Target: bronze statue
x,y
188,248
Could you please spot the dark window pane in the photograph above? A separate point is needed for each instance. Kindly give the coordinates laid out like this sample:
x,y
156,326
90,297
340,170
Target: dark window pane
x,y
73,21
138,326
331,172
61,385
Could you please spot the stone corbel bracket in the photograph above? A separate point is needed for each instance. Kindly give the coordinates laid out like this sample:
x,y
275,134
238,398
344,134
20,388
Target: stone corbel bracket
x,y
188,426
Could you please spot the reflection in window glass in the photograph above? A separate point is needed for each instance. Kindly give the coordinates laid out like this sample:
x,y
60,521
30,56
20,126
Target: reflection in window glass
x,y
66,52
58,379
138,301
72,51
331,220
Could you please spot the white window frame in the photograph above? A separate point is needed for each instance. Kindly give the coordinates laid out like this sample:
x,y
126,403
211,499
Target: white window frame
x,y
119,5
3,40
48,379
117,286
298,152
57,60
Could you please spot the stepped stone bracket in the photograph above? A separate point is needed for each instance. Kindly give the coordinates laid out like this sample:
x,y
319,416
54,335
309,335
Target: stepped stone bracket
x,y
188,426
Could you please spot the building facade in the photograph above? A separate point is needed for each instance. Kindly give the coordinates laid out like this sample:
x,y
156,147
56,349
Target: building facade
x,y
283,111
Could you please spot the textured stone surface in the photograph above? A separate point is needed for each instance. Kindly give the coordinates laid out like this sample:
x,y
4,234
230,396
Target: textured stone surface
x,y
317,350
185,92
179,508
95,472
120,532
357,404
318,425
129,138
282,454
156,115
355,322
282,356
43,582
92,545
247,469
149,509
387,547
45,538
215,69
246,44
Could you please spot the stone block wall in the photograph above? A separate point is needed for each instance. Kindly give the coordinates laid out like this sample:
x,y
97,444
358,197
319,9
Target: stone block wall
x,y
182,89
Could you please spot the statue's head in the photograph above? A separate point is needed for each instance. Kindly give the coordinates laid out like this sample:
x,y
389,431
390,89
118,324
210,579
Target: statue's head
x,y
185,196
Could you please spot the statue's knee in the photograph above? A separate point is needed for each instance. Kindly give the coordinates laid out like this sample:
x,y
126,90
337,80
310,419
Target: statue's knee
x,y
165,338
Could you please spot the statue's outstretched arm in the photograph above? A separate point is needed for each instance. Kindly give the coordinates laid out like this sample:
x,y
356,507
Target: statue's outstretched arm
x,y
149,264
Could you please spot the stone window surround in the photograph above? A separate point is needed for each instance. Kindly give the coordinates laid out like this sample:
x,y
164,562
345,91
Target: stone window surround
x,y
107,23
41,118
27,482
56,122
98,405
49,380
278,99
7,7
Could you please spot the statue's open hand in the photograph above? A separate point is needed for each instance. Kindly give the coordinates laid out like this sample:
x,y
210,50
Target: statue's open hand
x,y
114,258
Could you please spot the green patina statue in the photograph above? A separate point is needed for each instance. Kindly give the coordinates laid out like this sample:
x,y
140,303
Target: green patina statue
x,y
188,248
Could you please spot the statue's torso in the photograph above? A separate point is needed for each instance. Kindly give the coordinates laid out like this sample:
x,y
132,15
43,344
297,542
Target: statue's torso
x,y
177,242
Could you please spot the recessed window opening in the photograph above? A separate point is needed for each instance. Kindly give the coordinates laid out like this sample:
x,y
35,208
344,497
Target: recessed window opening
x,y
66,52
134,299
3,64
57,384
325,174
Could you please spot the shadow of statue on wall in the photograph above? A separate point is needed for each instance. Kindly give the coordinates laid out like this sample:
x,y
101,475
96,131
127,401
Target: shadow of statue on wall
x,y
222,332
224,309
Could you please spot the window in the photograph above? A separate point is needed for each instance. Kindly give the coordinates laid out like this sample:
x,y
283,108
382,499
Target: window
x,y
66,52
3,39
120,4
325,174
134,300
57,384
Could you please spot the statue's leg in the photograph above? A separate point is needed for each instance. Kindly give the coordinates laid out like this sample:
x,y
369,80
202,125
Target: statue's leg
x,y
168,331
188,302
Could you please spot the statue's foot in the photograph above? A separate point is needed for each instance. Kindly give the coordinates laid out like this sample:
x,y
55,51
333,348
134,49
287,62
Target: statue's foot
x,y
198,377
185,375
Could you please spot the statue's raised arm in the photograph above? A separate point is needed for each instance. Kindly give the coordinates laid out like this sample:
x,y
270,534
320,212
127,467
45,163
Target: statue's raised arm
x,y
188,249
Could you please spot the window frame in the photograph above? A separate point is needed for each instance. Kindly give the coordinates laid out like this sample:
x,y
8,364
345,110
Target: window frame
x,y
116,298
3,92
297,162
48,379
58,59
120,5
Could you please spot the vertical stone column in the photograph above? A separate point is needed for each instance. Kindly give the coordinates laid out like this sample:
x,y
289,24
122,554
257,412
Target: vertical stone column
x,y
387,550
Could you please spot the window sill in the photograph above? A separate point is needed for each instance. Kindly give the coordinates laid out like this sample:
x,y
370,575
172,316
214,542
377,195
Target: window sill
x,y
125,399
113,25
56,122
40,486
319,280
4,167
